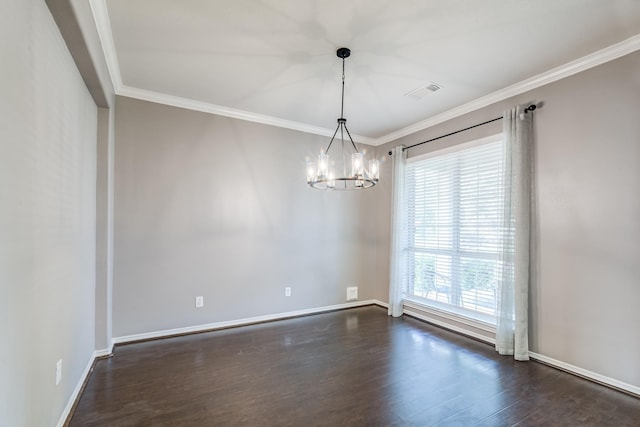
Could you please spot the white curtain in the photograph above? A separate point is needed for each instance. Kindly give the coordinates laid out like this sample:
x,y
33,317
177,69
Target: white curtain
x,y
397,279
512,336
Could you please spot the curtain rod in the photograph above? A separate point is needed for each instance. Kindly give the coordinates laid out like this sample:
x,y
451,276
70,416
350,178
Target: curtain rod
x,y
526,110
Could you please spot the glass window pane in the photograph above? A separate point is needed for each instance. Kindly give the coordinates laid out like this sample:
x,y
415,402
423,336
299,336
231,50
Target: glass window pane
x,y
454,226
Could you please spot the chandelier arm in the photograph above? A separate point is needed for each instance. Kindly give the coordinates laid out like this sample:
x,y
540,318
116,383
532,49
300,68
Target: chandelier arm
x,y
332,138
351,139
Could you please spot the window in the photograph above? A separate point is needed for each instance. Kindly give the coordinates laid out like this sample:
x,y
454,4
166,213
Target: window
x,y
454,225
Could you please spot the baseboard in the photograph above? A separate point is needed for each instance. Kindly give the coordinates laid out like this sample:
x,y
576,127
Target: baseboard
x,y
105,352
430,312
238,322
584,373
448,326
62,421
381,303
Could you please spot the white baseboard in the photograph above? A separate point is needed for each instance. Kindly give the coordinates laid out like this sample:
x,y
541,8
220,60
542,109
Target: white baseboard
x,y
431,312
585,373
449,326
76,391
238,322
105,351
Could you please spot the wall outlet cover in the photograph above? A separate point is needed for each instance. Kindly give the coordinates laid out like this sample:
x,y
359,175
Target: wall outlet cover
x,y
352,293
199,302
287,291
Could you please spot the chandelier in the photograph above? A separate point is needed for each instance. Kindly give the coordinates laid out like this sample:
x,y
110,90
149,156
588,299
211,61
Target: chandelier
x,y
338,173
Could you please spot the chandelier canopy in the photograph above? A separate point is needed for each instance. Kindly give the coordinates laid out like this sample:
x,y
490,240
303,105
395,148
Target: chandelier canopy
x,y
337,173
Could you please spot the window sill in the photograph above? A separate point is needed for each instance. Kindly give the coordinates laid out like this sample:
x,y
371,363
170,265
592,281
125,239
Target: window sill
x,y
419,304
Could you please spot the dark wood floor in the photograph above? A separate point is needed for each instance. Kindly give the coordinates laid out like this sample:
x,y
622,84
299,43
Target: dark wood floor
x,y
354,367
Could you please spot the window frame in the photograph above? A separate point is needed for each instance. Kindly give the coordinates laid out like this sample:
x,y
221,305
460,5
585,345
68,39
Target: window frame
x,y
462,315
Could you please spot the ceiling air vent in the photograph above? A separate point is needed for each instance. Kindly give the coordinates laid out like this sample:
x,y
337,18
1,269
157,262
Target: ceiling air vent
x,y
421,92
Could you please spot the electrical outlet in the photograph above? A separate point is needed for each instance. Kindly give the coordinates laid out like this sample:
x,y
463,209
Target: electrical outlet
x,y
352,293
58,371
199,302
287,291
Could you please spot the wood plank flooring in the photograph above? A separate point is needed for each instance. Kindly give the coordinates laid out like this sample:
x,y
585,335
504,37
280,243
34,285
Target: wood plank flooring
x,y
354,367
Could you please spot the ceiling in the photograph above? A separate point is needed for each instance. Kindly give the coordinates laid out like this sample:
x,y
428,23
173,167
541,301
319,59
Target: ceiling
x,y
274,60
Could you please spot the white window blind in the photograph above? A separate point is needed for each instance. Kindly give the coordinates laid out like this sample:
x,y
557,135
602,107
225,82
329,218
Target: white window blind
x,y
454,225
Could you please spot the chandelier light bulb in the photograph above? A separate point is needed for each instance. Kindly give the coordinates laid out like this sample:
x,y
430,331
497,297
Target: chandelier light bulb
x,y
311,173
331,183
374,169
323,165
357,167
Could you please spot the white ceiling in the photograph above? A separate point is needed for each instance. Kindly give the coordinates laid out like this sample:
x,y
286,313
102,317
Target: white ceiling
x,y
276,58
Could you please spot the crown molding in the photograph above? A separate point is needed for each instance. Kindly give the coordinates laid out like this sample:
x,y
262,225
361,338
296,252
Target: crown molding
x,y
205,107
101,17
103,26
594,59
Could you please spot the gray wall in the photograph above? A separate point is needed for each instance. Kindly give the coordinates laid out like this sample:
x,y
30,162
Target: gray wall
x,y
47,217
584,304
218,207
